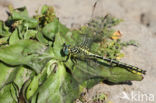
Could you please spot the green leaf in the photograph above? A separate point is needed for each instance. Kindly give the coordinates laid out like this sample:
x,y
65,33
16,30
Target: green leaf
x,y
63,29
25,52
8,94
94,72
30,34
30,23
16,75
19,14
32,87
14,37
41,38
4,30
57,48
51,29
59,87
4,74
19,75
4,40
122,75
22,14
14,91
44,9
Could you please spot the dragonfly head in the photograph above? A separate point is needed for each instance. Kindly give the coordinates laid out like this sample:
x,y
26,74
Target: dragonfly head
x,y
66,49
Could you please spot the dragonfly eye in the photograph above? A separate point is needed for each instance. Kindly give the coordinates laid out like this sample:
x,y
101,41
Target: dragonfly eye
x,y
66,49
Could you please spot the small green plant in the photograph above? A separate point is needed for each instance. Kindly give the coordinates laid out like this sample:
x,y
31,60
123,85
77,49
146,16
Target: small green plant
x,y
33,67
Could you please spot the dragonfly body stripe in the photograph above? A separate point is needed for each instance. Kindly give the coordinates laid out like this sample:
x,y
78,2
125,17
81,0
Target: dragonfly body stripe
x,y
130,67
80,50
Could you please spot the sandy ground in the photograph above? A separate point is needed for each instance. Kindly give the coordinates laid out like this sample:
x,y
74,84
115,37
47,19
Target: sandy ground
x,y
139,24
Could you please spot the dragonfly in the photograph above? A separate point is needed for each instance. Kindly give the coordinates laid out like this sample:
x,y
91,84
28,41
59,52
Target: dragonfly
x,y
83,52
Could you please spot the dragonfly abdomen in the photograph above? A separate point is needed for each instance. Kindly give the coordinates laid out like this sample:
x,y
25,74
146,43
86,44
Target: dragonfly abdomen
x,y
131,68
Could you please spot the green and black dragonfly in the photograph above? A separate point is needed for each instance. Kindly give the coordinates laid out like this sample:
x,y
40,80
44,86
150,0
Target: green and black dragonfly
x,y
83,52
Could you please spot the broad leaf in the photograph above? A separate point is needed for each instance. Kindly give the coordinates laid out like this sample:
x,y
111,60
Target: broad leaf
x,y
25,52
4,74
51,29
8,94
60,87
100,71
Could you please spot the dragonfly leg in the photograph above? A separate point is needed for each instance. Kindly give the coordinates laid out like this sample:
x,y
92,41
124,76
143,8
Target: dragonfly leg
x,y
66,59
74,60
